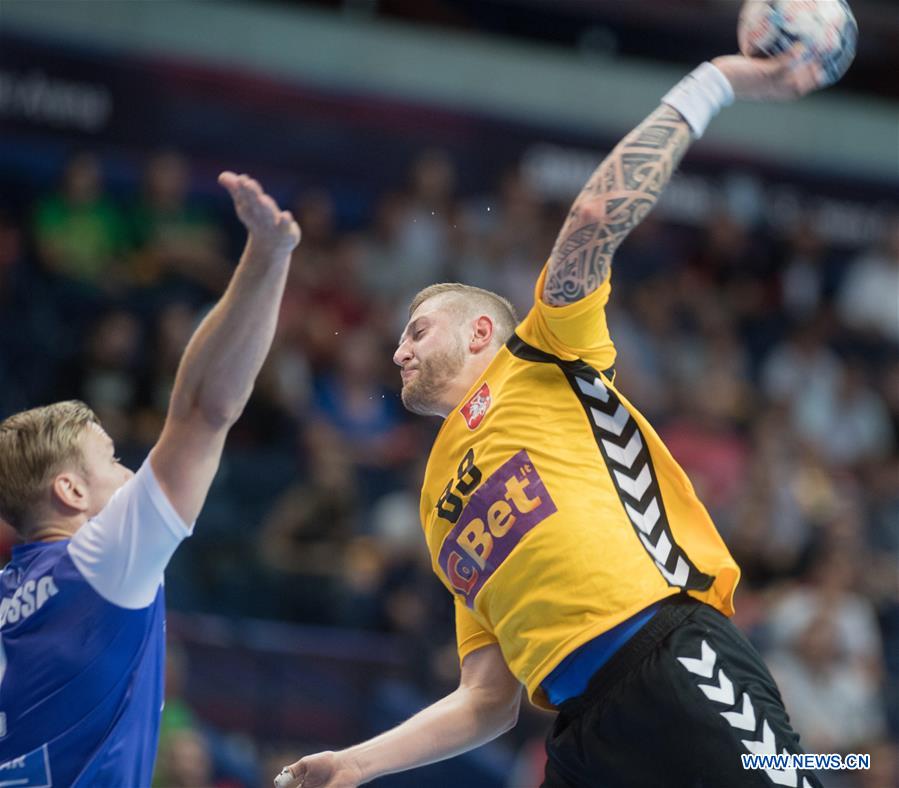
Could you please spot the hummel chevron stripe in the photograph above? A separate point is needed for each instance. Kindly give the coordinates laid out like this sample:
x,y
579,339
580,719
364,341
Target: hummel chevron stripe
x,y
723,692
680,574
595,389
744,720
704,666
766,746
660,550
624,456
614,424
635,487
646,521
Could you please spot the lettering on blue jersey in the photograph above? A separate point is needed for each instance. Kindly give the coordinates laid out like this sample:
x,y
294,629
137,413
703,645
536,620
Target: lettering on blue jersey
x,y
30,597
27,771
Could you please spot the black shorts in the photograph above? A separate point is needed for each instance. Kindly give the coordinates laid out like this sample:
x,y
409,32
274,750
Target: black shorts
x,y
675,708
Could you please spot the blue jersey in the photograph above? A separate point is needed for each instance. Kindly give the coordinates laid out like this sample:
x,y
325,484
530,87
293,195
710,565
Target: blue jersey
x,y
82,647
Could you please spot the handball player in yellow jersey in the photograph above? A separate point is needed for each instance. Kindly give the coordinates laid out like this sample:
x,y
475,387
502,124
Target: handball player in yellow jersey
x,y
582,564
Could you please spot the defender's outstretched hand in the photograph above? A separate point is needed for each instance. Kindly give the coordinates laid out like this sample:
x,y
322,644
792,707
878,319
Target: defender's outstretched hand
x,y
322,770
268,225
781,78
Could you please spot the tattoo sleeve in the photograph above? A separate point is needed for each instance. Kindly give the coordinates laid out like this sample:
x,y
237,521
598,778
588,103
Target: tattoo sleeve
x,y
618,196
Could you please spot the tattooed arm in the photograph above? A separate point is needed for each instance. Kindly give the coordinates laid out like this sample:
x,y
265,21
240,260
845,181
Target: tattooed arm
x,y
627,184
616,199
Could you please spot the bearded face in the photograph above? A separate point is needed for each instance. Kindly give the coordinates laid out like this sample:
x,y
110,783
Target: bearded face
x,y
425,384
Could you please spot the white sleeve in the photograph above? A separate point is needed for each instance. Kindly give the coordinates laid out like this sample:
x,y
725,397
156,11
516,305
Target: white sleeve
x,y
123,551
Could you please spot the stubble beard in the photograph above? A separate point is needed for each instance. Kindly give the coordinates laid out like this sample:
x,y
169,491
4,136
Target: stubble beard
x,y
422,393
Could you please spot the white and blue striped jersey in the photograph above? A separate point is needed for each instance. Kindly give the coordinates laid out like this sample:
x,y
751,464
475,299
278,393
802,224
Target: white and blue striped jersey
x,y
82,646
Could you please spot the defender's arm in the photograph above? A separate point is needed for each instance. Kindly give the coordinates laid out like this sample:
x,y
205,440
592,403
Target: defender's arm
x,y
224,356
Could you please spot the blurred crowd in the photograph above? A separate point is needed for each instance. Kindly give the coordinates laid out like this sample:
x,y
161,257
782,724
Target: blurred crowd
x,y
770,366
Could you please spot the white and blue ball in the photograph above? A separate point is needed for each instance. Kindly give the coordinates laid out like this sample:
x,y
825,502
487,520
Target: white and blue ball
x,y
826,27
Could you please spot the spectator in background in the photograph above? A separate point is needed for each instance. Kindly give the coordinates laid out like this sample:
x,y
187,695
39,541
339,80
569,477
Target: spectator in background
x,y
828,655
804,276
20,311
741,266
884,765
173,328
107,373
849,423
387,271
417,232
304,537
414,605
868,299
184,761
365,415
836,707
81,236
425,227
177,242
800,363
508,239
324,301
649,340
786,496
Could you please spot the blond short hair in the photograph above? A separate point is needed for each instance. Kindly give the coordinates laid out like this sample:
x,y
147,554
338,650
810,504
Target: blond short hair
x,y
467,299
35,445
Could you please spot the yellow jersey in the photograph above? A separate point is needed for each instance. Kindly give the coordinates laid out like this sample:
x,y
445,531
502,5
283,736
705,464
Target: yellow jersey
x,y
552,509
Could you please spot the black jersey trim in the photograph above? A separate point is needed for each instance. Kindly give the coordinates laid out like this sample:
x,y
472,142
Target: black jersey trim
x,y
521,349
626,453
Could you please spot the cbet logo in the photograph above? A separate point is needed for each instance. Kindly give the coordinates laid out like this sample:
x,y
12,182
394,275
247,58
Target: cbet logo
x,y
505,507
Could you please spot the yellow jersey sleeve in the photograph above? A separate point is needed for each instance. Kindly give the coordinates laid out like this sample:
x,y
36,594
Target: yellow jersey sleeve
x,y
574,331
470,635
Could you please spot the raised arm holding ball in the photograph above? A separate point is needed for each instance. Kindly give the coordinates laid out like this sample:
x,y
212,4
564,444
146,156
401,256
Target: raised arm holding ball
x,y
582,564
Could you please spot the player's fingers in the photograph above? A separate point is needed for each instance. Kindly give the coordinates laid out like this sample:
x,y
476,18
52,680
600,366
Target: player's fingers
x,y
228,179
809,78
241,184
249,194
780,67
252,186
267,202
235,185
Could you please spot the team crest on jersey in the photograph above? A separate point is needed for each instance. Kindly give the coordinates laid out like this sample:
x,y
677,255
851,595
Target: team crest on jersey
x,y
476,408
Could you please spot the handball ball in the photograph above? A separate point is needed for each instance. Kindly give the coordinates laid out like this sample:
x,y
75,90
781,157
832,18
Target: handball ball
x,y
826,27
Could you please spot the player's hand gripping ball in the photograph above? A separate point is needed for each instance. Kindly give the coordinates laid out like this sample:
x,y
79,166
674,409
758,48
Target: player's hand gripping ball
x,y
827,28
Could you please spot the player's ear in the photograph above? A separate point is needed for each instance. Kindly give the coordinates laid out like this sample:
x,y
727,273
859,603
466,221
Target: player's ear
x,y
481,334
70,490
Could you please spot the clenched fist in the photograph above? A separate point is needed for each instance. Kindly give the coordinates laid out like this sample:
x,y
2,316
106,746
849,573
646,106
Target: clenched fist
x,y
322,770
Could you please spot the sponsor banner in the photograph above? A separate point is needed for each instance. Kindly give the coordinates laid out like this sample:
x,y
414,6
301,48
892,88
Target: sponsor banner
x,y
56,98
